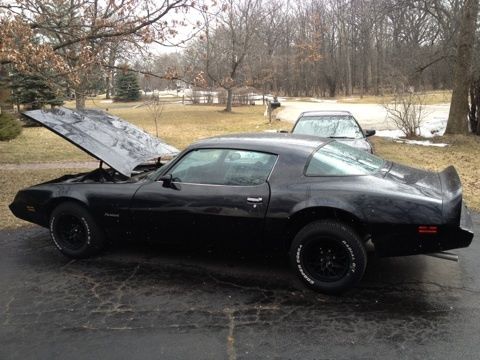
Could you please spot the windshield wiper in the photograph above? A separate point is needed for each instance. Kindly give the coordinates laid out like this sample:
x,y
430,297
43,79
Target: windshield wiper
x,y
341,137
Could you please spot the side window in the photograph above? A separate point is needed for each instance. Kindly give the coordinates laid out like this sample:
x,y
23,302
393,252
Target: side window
x,y
224,167
248,167
337,159
201,166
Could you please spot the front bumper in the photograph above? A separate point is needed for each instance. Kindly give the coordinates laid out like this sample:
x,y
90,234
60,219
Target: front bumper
x,y
23,208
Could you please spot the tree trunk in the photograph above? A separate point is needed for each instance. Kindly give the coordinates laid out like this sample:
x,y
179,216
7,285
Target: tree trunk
x,y
5,93
108,84
229,100
474,115
457,118
79,100
348,74
112,56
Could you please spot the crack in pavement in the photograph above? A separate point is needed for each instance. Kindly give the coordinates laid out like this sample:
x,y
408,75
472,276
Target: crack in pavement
x,y
232,355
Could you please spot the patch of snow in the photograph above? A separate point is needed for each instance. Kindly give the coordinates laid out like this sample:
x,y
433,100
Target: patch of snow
x,y
167,95
390,133
430,128
420,142
324,101
434,126
106,101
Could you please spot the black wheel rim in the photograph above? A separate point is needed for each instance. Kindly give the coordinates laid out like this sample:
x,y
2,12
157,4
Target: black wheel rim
x,y
70,232
326,259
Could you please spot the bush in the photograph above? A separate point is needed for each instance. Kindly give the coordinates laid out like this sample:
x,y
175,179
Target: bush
x,y
10,127
407,111
27,122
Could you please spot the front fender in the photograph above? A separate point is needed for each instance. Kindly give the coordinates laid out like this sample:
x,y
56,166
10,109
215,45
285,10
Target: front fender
x,y
36,203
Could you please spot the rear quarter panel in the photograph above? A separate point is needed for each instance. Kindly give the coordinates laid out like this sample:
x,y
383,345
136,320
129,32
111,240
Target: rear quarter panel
x,y
384,207
375,200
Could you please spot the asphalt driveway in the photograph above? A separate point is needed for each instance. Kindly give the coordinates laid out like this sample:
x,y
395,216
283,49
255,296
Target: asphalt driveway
x,y
147,302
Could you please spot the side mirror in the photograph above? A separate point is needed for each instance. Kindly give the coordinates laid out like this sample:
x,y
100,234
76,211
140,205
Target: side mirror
x,y
167,180
370,133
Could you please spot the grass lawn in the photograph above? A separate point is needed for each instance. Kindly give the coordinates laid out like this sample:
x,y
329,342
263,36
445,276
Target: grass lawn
x,y
180,125
462,153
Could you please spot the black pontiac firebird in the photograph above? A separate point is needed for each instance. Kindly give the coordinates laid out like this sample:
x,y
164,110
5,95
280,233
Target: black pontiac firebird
x,y
317,199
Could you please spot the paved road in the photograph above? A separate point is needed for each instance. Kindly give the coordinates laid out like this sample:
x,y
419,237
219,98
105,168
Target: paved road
x,y
158,303
368,115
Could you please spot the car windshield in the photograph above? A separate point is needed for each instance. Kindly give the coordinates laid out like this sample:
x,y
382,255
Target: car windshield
x,y
332,126
153,175
336,159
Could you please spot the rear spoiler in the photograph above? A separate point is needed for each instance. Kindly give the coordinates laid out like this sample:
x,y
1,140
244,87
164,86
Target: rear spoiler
x,y
452,195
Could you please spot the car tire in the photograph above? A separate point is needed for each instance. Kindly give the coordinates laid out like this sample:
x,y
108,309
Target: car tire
x,y
328,256
74,231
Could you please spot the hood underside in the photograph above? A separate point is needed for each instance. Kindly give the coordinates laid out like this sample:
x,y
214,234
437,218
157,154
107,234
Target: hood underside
x,y
118,143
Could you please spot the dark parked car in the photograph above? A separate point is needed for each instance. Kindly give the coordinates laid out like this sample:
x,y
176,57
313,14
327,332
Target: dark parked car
x,y
338,125
317,199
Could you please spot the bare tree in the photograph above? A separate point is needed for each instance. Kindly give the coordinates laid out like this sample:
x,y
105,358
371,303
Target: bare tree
x,y
457,118
228,41
302,48
155,108
76,33
407,111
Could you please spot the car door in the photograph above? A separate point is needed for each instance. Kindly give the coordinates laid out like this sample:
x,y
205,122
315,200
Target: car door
x,y
215,196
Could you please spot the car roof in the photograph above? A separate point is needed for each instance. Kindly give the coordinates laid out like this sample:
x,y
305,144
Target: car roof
x,y
267,142
325,113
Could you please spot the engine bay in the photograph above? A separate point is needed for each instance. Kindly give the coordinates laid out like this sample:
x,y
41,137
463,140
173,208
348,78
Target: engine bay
x,y
109,175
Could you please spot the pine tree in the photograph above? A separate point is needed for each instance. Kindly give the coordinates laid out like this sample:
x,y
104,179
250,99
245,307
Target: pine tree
x,y
32,91
126,86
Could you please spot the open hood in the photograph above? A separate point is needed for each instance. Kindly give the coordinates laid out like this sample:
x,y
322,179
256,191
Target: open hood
x,y
114,141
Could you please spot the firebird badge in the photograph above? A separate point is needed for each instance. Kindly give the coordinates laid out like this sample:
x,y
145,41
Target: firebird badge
x,y
112,215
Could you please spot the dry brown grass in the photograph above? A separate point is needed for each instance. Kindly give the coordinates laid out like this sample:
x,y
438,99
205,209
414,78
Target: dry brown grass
x,y
179,125
462,153
37,144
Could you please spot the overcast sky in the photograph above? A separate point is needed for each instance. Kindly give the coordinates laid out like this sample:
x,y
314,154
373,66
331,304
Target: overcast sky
x,y
185,33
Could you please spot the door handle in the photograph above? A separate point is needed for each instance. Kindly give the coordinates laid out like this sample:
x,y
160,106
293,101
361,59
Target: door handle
x,y
254,200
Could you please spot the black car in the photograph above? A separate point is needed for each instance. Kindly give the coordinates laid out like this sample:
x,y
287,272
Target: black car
x,y
317,199
339,125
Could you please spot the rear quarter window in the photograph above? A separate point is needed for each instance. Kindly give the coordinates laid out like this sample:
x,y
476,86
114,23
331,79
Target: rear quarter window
x,y
336,159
